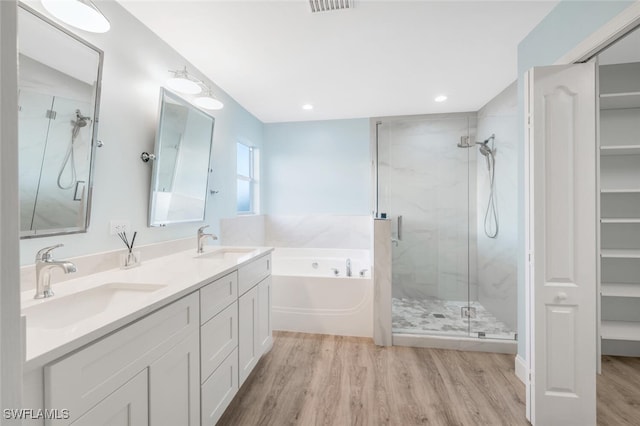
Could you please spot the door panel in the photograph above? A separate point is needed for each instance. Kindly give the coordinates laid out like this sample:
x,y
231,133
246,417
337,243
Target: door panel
x,y
561,142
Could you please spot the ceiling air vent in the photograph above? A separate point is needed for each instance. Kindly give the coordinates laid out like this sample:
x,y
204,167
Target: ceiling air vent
x,y
327,5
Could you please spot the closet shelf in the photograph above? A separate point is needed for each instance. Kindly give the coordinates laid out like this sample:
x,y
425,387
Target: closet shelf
x,y
619,191
620,290
620,253
620,330
620,100
620,150
620,220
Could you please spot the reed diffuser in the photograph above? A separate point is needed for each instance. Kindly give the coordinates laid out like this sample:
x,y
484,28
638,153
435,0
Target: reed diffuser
x,y
130,258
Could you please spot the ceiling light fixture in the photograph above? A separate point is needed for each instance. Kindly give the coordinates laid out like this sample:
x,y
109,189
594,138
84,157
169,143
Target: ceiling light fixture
x,y
182,82
208,101
82,14
307,107
440,98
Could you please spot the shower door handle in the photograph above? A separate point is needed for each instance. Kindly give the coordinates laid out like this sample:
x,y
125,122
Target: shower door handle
x,y
400,228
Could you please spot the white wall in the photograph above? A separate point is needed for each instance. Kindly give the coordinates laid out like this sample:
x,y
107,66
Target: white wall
x,y
497,258
135,66
11,340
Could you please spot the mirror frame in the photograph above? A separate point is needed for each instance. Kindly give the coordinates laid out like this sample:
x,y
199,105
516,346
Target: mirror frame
x,y
94,133
156,150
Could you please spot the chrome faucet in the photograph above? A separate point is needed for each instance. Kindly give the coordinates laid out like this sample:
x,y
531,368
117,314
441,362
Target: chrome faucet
x,y
44,264
202,236
348,267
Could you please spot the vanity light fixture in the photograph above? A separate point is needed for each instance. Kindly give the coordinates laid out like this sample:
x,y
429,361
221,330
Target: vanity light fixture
x,y
440,98
208,101
307,107
82,14
182,82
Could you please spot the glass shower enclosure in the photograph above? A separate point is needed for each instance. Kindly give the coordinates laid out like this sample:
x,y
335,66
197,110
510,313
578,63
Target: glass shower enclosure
x,y
426,183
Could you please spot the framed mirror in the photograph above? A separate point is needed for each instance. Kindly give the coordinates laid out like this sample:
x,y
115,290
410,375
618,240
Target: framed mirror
x,y
59,78
181,168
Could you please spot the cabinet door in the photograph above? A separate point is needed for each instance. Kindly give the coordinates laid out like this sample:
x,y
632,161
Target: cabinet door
x,y
127,406
174,391
218,337
219,389
248,344
264,315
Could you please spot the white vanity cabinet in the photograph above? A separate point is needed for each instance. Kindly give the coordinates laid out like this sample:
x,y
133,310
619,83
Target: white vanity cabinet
x,y
181,364
162,346
127,406
218,346
254,314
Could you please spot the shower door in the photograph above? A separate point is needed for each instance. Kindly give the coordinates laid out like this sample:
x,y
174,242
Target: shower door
x,y
424,186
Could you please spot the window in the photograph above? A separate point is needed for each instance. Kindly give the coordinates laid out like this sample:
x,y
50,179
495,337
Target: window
x,y
247,169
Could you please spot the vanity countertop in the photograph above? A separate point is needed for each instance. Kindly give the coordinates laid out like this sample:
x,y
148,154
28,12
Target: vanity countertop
x,y
87,308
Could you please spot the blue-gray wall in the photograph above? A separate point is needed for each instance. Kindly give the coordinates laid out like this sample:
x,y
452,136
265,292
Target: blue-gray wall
x,y
569,23
316,167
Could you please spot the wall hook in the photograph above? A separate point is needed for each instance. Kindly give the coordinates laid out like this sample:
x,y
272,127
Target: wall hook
x,y
145,157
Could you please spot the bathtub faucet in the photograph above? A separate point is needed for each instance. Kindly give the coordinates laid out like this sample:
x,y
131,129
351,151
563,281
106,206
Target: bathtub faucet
x,y
348,267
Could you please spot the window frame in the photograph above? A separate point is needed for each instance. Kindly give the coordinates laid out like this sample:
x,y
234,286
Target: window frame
x,y
251,178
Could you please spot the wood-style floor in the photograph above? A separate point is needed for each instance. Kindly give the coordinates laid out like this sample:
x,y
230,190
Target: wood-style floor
x,y
310,379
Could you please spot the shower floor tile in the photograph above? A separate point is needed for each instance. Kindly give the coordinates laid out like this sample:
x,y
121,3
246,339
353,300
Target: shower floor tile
x,y
443,317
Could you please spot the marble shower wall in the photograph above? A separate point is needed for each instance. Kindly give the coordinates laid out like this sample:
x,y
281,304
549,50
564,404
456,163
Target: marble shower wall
x,y
427,179
497,262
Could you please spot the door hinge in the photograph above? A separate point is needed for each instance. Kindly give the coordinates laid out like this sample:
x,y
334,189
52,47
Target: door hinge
x,y
51,114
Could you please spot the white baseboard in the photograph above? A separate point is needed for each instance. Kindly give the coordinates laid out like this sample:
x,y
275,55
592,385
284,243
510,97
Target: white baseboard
x,y
521,369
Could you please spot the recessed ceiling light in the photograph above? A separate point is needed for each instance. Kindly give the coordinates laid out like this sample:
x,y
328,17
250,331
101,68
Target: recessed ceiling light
x,y
440,98
307,107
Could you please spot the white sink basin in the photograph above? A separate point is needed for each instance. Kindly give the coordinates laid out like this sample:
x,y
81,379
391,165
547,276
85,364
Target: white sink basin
x,y
61,312
225,254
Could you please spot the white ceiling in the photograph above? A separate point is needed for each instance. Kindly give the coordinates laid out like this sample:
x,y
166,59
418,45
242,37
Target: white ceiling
x,y
380,58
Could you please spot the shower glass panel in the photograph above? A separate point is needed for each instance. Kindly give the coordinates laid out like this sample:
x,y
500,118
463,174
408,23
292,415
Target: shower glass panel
x,y
424,178
451,274
52,197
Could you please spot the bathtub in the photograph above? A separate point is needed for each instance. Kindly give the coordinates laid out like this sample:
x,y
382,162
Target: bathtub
x,y
309,296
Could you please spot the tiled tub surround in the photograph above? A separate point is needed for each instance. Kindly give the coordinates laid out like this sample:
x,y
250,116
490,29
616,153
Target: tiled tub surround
x,y
307,231
309,297
178,274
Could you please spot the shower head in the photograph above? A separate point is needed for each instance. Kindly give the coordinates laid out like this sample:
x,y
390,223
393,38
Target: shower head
x,y
485,150
81,120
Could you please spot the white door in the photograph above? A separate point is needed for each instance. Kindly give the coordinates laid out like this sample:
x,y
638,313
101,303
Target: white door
x,y
561,237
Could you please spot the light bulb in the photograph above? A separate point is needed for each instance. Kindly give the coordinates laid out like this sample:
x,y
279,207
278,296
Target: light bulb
x,y
82,14
207,102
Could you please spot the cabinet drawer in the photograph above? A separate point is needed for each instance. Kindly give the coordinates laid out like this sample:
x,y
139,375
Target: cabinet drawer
x,y
218,338
251,274
84,378
216,296
218,391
